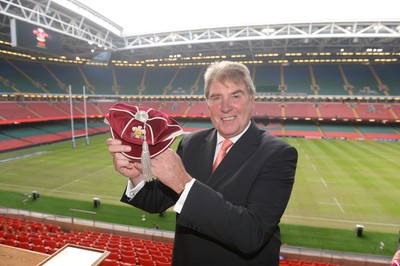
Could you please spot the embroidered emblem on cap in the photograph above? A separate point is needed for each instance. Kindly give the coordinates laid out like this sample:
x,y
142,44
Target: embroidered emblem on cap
x,y
138,132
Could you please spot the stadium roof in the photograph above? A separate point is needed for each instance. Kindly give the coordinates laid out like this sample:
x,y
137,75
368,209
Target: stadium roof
x,y
153,16
164,29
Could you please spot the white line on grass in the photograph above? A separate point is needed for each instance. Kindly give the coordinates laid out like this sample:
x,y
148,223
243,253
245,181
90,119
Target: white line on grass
x,y
11,159
2,185
83,177
338,204
339,220
323,182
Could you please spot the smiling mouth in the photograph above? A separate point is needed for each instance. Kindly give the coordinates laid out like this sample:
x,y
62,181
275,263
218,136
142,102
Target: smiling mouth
x,y
228,118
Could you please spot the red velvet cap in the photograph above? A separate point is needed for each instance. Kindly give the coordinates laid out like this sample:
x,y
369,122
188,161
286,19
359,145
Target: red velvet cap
x,y
132,124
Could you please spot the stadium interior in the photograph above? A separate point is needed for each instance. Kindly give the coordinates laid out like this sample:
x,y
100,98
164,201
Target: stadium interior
x,y
319,81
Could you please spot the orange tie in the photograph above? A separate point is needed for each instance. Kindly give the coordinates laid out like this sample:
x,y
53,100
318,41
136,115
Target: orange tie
x,y
222,152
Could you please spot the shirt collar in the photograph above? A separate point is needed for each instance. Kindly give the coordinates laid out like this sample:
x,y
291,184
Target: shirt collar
x,y
233,139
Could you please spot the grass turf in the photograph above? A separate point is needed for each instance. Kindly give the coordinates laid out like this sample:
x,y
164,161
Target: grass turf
x,y
338,184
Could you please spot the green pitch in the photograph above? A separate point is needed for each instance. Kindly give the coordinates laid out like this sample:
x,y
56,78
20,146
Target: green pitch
x,y
343,183
338,184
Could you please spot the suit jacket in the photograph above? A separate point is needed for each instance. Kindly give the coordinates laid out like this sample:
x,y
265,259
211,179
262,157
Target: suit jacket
x,y
231,216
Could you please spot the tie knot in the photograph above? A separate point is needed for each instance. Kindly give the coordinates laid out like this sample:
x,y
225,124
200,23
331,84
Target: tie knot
x,y
221,154
226,144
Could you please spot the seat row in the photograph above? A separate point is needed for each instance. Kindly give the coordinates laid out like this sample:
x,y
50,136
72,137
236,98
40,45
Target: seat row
x,y
48,239
10,224
294,262
124,250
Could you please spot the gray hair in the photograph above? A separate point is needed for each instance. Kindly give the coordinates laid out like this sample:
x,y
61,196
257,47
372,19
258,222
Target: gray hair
x,y
230,71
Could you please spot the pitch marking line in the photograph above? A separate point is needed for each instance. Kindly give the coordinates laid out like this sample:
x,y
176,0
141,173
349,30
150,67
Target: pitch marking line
x,y
322,180
339,220
11,159
77,180
52,191
338,204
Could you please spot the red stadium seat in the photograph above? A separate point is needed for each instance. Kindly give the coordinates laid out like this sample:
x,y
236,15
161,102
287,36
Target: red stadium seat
x,y
37,241
41,249
160,258
113,250
141,250
23,238
145,262
10,242
108,262
25,245
11,236
51,244
55,228
128,259
113,256
162,263
113,244
127,252
100,246
155,252
143,256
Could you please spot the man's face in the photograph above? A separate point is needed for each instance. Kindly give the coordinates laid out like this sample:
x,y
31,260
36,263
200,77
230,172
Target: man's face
x,y
230,106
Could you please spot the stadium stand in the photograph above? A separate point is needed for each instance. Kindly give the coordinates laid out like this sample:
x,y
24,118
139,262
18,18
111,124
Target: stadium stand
x,y
37,92
301,79
267,79
361,78
24,121
374,111
14,80
300,110
329,80
48,238
127,81
336,110
38,76
174,108
15,111
270,109
389,77
160,85
187,82
46,109
124,250
297,79
67,75
302,130
99,79
340,131
30,134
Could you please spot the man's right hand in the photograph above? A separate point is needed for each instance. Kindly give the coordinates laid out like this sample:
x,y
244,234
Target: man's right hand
x,y
132,170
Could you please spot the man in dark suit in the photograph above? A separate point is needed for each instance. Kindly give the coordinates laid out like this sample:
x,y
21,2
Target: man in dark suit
x,y
230,215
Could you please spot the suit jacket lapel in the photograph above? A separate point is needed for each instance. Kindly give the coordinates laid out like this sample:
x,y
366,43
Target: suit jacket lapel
x,y
207,151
